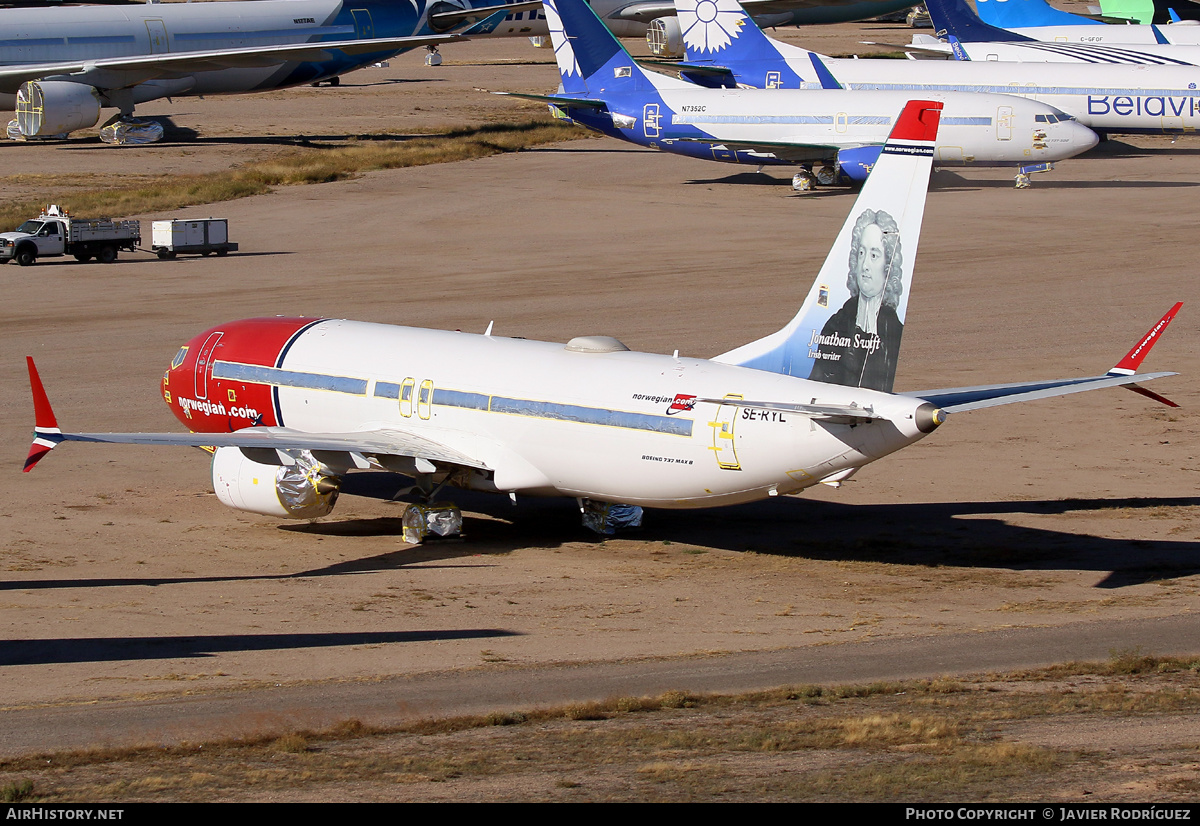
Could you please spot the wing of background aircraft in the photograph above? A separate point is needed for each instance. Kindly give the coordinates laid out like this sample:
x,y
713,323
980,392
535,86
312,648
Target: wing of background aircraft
x,y
785,150
145,67
121,72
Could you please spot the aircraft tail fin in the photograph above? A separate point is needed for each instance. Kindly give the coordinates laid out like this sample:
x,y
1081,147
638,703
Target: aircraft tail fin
x,y
1014,14
590,59
955,17
720,31
46,434
848,329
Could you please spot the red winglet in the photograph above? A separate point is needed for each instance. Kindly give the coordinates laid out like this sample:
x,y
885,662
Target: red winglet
x,y
1133,359
918,121
46,434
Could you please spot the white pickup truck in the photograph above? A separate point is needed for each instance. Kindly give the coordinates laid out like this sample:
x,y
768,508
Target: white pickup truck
x,y
55,232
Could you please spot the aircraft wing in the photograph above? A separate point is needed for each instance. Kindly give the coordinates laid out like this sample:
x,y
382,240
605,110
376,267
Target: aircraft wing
x,y
384,441
145,67
443,20
1123,374
784,150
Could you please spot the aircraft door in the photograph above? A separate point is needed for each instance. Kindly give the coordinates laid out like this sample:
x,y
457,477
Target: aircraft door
x,y
364,28
425,399
204,361
158,37
841,122
722,427
406,397
1004,123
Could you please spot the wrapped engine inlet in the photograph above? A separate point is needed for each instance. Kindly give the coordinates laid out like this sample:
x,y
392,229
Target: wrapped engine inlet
x,y
304,489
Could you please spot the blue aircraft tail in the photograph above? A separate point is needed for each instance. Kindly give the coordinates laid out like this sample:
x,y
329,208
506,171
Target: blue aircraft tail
x,y
721,33
590,59
1016,14
955,17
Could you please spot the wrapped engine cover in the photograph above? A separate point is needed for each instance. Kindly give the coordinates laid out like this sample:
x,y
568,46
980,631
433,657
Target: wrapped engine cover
x,y
55,107
303,490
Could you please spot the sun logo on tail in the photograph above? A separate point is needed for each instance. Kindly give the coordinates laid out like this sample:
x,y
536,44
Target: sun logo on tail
x,y
709,25
563,51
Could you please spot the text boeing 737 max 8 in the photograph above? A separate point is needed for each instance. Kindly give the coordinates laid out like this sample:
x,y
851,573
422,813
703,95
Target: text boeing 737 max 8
x,y
292,404
60,66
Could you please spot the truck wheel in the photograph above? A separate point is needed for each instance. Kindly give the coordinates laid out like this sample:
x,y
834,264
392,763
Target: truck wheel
x,y
166,255
26,257
83,257
222,252
107,254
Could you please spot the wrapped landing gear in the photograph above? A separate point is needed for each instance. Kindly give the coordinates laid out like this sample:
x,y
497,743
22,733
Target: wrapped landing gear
x,y
436,518
606,518
804,181
1024,172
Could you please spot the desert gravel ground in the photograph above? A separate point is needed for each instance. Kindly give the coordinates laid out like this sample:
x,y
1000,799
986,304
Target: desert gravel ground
x,y
117,560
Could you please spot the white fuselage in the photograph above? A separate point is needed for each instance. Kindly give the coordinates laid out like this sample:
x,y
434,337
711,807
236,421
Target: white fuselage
x,y
549,421
1108,99
977,129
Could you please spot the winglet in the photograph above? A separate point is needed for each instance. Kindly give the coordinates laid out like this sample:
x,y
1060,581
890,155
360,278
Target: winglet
x,y
1133,359
46,434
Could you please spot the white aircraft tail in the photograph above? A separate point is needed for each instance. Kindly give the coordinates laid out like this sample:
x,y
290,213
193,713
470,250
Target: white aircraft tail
x,y
848,329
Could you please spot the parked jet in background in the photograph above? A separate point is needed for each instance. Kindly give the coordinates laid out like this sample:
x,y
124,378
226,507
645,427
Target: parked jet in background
x,y
604,89
1026,16
1146,11
1110,99
60,66
293,404
1081,43
629,18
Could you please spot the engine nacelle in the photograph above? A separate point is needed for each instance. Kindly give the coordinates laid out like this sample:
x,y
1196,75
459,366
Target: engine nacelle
x,y
665,38
301,489
855,163
56,107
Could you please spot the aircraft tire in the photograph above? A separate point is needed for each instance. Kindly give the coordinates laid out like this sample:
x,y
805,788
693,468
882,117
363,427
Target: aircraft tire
x,y
107,254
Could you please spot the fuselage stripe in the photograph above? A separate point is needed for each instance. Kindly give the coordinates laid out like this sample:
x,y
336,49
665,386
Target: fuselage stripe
x,y
258,374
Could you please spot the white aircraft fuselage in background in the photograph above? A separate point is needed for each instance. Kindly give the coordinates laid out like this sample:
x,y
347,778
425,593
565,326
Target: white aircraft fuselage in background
x,y
1108,98
66,63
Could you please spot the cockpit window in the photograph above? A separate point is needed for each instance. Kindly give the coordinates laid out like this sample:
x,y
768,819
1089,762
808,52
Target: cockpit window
x,y
179,357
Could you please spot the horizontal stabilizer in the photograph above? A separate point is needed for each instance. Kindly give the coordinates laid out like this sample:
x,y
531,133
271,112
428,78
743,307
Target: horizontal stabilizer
x,y
813,410
962,399
558,100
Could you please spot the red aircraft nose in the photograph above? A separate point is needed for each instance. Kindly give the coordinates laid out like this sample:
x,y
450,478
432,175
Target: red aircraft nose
x,y
205,401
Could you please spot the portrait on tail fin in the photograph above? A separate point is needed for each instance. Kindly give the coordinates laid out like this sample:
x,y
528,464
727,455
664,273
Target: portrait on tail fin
x,y
859,344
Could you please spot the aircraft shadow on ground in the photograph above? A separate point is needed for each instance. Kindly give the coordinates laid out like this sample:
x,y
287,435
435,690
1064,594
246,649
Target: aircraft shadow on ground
x,y
945,180
959,534
117,649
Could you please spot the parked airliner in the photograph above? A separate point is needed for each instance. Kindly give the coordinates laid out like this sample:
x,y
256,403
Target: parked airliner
x,y
602,88
976,40
293,404
1110,99
1038,20
60,66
